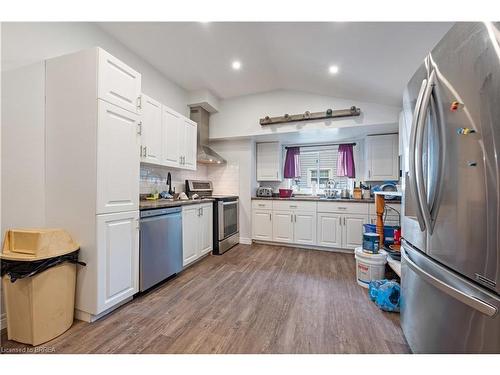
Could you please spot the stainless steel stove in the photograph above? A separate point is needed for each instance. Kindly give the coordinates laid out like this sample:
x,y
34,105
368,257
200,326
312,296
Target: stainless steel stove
x,y
226,214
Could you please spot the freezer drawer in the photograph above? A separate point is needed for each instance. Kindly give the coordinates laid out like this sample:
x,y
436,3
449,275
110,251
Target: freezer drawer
x,y
442,312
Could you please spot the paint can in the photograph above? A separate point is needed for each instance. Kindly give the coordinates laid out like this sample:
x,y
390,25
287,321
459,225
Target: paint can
x,y
371,243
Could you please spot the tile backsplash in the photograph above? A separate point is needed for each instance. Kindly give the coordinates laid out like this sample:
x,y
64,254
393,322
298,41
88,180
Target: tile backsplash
x,y
225,178
154,177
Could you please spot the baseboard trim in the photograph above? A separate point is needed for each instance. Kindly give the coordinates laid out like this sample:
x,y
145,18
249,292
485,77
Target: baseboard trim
x,y
309,247
245,241
3,322
89,318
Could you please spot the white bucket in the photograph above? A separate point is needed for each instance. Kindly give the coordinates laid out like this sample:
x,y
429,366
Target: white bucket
x,y
369,266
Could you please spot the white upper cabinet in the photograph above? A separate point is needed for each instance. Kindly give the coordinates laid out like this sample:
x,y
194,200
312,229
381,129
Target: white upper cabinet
x,y
269,163
171,129
150,130
179,138
189,143
382,157
117,159
118,83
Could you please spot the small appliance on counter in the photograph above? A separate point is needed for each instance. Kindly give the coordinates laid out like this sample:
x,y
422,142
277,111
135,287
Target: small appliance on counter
x,y
264,192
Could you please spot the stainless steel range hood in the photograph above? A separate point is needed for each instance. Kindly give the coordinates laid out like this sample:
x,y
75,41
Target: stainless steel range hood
x,y
205,154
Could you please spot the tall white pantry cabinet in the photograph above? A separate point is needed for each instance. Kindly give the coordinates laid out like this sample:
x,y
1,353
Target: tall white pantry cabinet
x,y
92,172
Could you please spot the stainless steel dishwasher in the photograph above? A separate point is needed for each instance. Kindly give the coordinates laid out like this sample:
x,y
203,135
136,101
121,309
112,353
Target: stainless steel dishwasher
x,y
160,245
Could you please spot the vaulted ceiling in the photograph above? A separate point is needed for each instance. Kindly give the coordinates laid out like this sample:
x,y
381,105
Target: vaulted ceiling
x,y
375,60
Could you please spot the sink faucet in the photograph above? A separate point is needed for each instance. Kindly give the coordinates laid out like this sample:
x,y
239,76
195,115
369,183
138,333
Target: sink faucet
x,y
169,183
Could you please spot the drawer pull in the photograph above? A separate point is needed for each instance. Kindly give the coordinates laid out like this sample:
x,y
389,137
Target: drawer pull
x,y
262,205
293,206
342,208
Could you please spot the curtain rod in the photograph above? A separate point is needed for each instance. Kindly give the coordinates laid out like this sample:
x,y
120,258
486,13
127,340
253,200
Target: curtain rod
x,y
321,144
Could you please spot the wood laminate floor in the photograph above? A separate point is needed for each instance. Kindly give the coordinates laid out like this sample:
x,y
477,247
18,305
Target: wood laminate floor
x,y
253,299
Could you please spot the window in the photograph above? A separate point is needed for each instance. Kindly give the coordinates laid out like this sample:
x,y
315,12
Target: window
x,y
318,161
325,174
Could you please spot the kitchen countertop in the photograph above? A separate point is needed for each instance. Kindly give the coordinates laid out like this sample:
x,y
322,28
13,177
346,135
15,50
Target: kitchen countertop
x,y
318,199
165,203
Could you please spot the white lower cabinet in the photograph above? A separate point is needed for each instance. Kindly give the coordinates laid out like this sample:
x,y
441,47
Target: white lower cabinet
x,y
327,224
118,258
282,226
206,230
304,228
352,231
329,229
197,232
294,227
262,224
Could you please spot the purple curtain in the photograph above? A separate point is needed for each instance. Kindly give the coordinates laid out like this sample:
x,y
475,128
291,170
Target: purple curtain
x,y
345,162
292,163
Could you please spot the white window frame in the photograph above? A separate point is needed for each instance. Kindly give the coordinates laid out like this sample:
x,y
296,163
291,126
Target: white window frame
x,y
308,188
318,170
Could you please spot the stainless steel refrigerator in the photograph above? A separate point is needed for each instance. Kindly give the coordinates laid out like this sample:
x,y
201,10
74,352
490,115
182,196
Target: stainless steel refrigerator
x,y
451,206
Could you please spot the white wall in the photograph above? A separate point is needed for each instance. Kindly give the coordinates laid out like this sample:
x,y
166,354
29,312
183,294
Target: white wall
x,y
236,177
239,117
27,43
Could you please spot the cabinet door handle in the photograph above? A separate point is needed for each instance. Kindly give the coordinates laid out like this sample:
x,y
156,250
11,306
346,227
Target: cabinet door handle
x,y
139,128
270,217
369,173
344,222
140,154
291,218
139,102
145,151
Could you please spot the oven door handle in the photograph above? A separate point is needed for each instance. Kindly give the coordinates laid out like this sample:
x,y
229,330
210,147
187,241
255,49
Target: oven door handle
x,y
228,203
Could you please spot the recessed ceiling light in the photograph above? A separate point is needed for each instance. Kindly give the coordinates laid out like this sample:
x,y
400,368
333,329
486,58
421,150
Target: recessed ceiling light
x,y
236,65
333,69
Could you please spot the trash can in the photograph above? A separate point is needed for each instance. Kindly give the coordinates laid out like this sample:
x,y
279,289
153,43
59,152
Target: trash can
x,y
38,270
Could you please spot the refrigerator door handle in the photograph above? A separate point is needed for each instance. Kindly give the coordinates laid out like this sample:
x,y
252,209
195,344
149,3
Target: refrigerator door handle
x,y
465,298
412,151
441,132
419,138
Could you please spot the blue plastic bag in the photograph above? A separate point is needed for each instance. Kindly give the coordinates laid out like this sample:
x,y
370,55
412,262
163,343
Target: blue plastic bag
x,y
386,294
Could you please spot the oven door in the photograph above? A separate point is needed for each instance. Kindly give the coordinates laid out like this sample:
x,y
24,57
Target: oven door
x,y
228,219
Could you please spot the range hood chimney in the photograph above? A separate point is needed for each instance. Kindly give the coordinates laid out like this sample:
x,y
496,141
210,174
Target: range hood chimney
x,y
205,154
